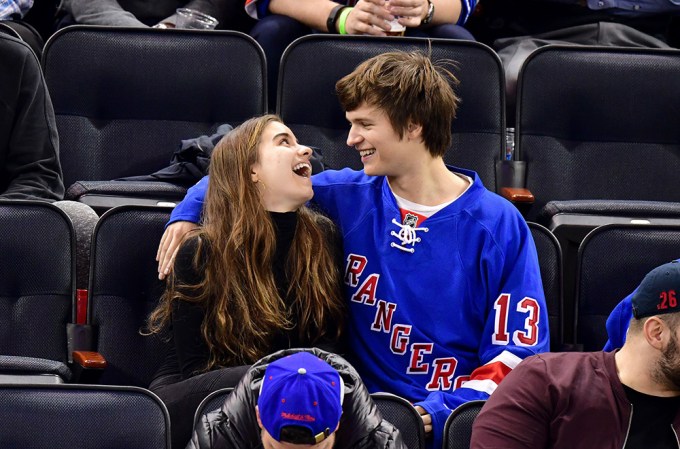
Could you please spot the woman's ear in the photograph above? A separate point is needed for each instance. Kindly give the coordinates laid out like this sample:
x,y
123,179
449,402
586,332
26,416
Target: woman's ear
x,y
253,173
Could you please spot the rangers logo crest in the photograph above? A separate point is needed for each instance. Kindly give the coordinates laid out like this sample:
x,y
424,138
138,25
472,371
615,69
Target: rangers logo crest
x,y
410,220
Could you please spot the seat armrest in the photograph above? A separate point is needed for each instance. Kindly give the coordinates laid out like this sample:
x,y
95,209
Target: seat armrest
x,y
517,195
89,359
31,368
88,366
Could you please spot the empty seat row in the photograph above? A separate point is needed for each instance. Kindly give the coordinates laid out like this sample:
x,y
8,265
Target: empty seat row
x,y
42,317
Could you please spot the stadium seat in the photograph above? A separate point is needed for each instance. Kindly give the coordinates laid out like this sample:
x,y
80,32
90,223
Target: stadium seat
x,y
400,413
612,261
211,403
593,126
307,103
37,288
80,416
124,289
597,140
550,262
125,98
458,428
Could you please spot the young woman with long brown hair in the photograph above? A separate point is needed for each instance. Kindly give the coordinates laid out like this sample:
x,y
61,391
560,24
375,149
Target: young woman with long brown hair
x,y
260,275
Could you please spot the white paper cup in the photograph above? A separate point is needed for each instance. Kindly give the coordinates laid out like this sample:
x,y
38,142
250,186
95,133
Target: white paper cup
x,y
396,28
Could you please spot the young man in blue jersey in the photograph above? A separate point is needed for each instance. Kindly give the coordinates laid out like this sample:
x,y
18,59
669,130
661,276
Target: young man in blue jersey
x,y
442,275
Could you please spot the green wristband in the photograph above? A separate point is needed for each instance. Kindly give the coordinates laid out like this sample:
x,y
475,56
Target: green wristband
x,y
343,18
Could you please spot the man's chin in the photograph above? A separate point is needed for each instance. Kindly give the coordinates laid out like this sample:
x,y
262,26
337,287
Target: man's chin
x,y
370,170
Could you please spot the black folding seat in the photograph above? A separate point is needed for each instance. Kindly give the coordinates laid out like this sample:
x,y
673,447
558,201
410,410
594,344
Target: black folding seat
x,y
82,416
211,403
37,289
124,289
612,261
596,141
599,141
400,413
458,428
125,98
550,262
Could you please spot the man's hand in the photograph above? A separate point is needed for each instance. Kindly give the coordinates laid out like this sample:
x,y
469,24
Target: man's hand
x,y
167,250
427,419
410,12
369,17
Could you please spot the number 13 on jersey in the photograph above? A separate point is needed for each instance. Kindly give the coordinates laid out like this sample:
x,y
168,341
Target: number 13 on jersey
x,y
528,336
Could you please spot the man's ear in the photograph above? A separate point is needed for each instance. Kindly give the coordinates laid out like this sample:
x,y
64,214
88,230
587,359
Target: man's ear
x,y
257,414
414,131
655,332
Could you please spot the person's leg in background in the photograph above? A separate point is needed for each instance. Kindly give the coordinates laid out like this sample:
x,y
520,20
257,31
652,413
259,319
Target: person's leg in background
x,y
274,33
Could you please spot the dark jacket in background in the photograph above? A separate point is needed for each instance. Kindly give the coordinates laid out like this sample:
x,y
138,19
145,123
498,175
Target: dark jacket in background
x,y
235,425
29,145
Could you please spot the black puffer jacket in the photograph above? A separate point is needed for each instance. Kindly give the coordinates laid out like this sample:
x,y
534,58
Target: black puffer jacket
x,y
235,425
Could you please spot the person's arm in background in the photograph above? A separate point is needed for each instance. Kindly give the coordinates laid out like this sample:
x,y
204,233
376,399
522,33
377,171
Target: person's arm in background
x,y
517,415
31,162
516,326
413,12
13,8
367,16
184,217
101,12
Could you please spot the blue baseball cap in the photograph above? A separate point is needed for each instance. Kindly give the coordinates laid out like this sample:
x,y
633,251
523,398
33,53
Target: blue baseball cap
x,y
300,399
657,292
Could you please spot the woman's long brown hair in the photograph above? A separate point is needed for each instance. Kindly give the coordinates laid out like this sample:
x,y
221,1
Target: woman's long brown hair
x,y
243,308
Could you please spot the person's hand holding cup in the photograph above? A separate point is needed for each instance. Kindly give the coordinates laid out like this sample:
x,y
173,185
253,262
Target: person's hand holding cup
x,y
396,28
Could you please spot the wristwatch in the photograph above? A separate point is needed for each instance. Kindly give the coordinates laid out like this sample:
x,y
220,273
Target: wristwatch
x,y
333,18
430,14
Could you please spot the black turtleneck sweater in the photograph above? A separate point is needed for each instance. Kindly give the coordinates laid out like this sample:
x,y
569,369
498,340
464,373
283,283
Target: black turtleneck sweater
x,y
188,352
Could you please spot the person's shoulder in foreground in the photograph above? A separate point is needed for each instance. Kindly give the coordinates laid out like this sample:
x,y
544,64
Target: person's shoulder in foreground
x,y
305,398
29,144
603,399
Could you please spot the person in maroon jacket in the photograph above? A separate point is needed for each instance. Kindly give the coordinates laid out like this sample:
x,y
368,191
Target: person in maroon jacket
x,y
625,399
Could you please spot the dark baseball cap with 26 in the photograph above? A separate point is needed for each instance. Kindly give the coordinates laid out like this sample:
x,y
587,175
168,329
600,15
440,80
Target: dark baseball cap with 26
x,y
659,292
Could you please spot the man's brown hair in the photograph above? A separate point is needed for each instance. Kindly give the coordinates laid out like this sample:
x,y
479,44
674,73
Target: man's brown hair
x,y
409,88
